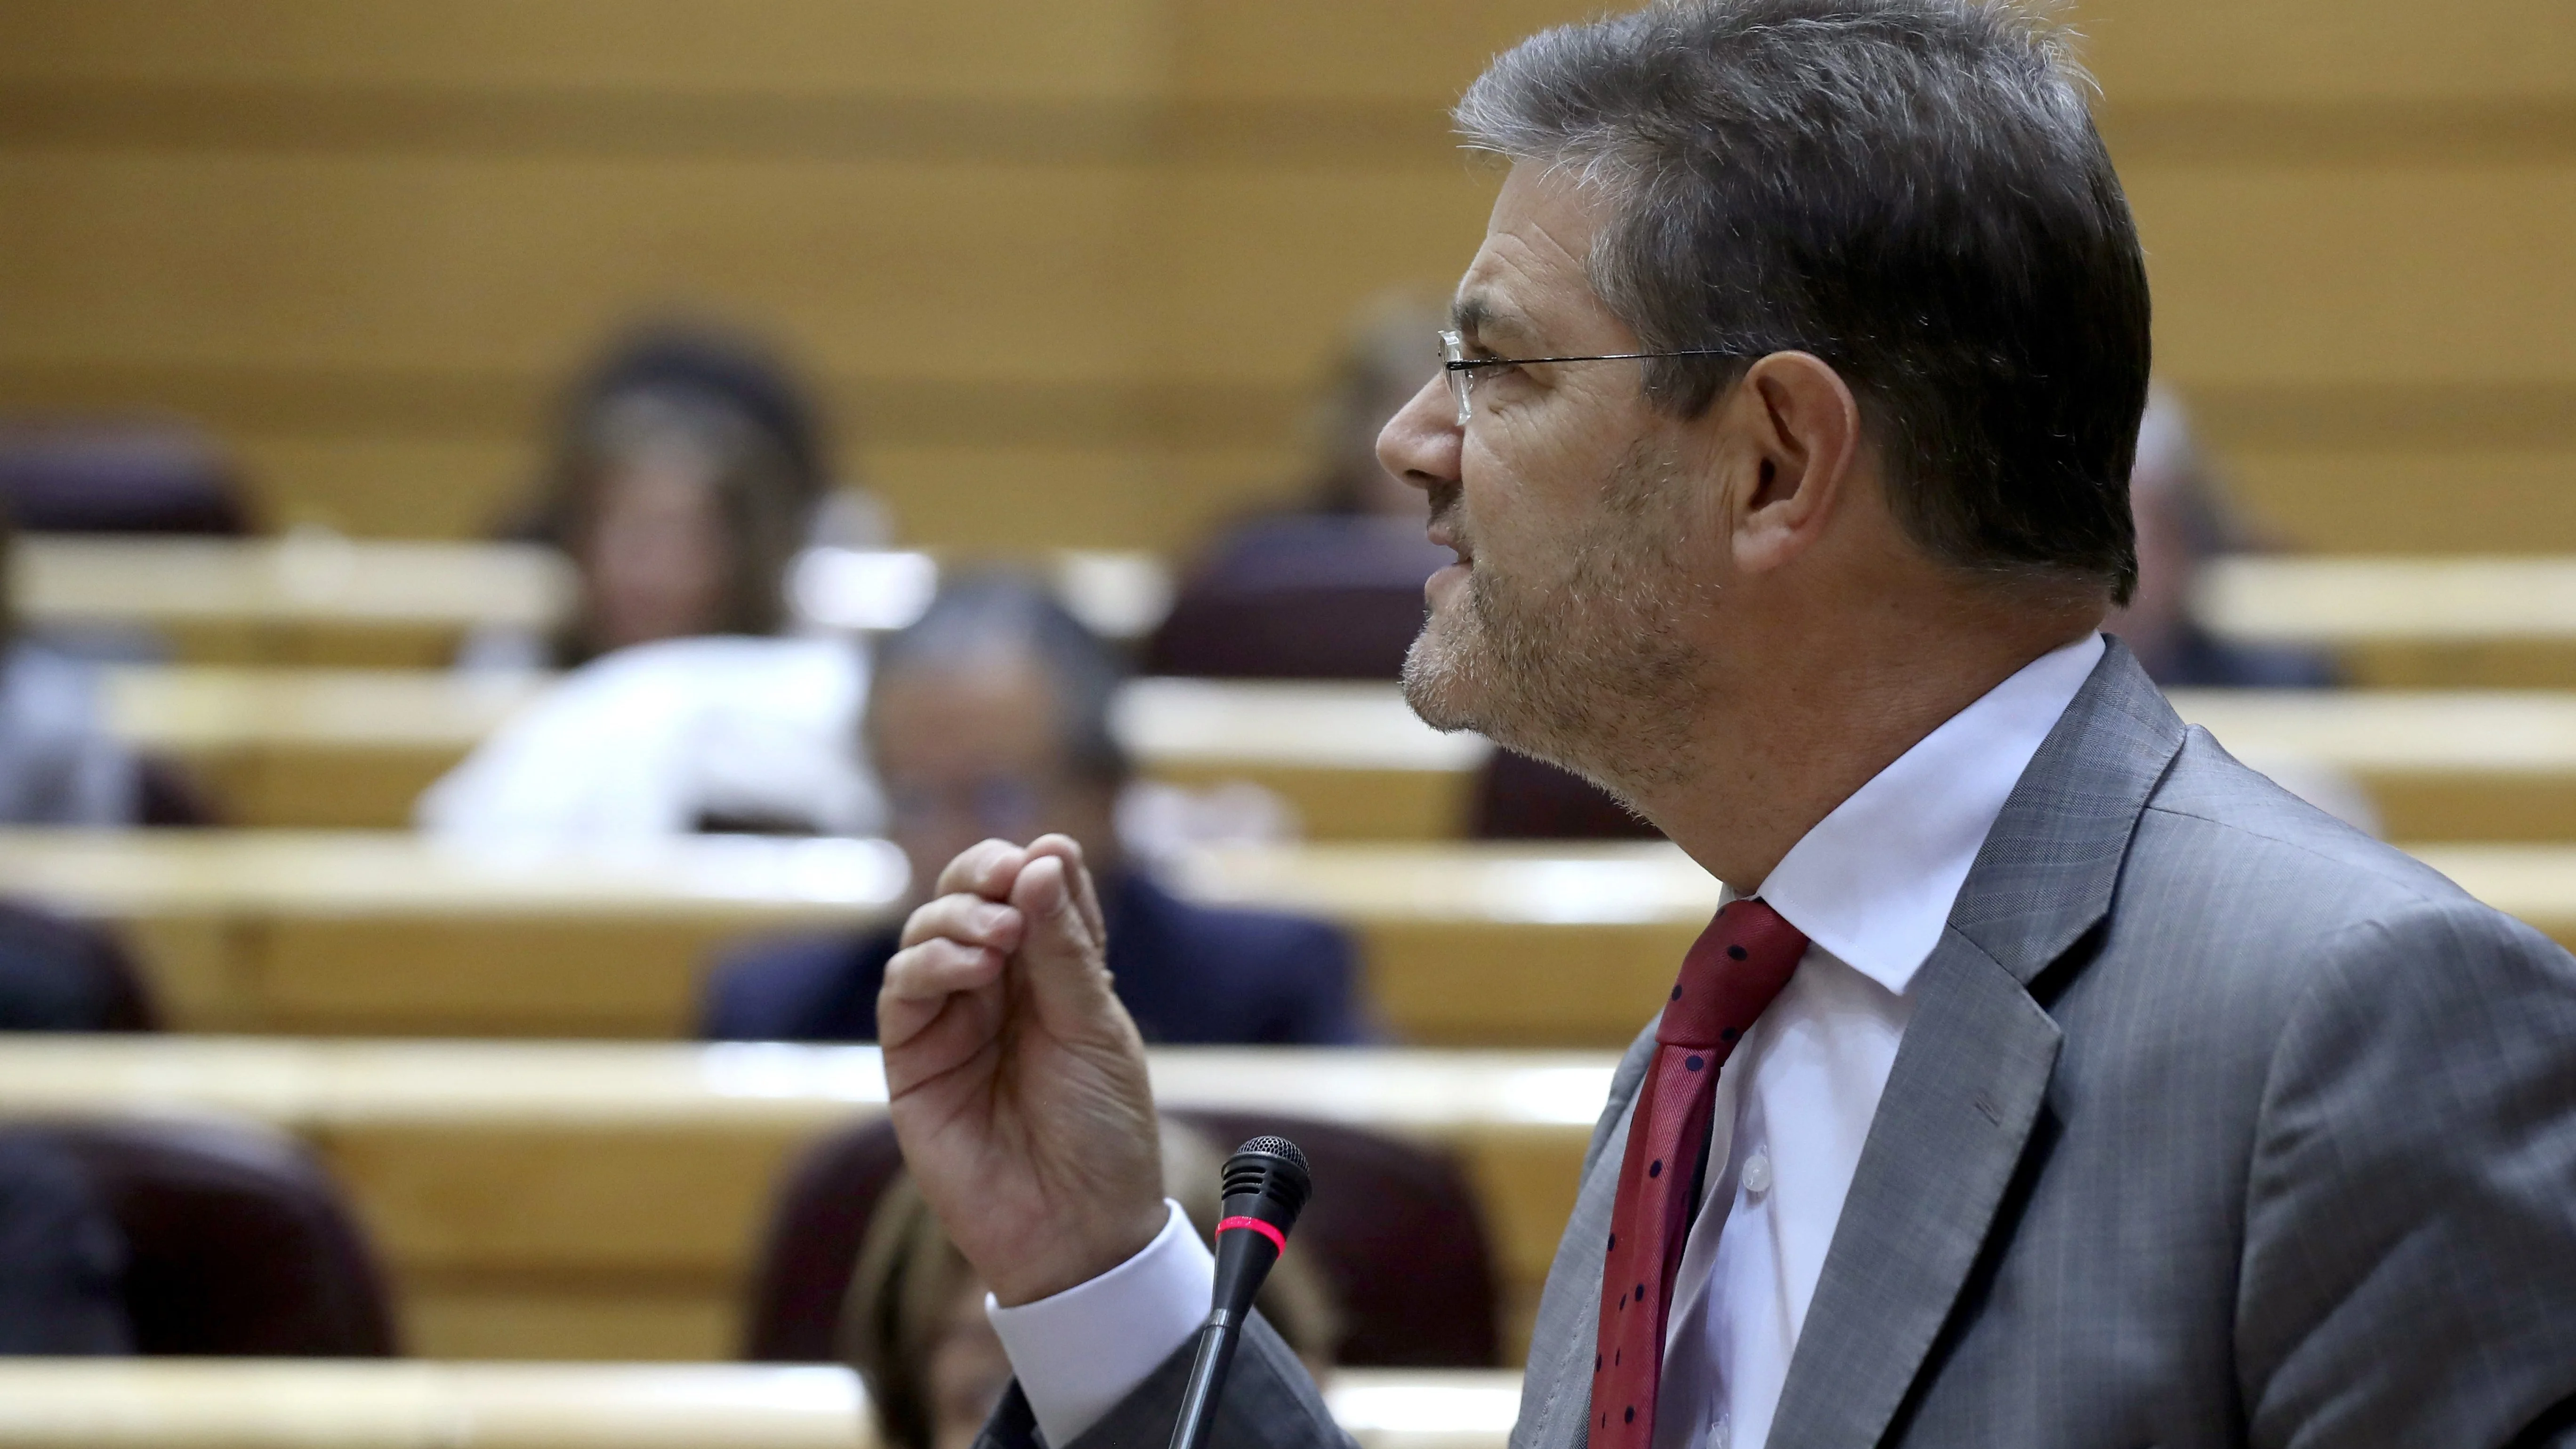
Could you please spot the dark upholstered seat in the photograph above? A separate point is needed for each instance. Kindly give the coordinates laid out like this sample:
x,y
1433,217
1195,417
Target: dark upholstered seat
x,y
236,1243
118,476
1393,1228
1300,598
61,974
1518,798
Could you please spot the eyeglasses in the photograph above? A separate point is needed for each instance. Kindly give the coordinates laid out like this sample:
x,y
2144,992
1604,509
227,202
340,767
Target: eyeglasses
x,y
1461,369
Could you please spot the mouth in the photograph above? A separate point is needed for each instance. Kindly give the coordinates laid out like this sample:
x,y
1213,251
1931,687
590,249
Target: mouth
x,y
1450,578
1442,536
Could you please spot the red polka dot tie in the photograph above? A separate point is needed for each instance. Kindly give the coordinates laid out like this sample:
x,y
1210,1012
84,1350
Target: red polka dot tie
x,y
1732,972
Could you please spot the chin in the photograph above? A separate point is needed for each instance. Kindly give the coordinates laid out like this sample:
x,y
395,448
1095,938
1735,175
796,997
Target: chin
x,y
1438,683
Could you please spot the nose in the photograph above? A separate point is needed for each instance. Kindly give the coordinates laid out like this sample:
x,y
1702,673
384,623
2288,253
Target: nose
x,y
1420,443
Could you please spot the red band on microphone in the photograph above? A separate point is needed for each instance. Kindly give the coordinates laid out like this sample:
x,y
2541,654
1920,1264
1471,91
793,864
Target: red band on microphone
x,y
1277,1238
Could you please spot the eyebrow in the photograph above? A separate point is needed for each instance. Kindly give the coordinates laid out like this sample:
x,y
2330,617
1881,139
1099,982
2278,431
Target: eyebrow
x,y
1475,316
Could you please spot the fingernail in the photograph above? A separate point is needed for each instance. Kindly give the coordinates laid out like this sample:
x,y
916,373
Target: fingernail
x,y
989,919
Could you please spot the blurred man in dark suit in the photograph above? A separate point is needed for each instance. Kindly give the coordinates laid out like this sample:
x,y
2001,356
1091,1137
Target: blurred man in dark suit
x,y
991,715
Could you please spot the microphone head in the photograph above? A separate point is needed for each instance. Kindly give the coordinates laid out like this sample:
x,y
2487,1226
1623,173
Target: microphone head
x,y
1267,1178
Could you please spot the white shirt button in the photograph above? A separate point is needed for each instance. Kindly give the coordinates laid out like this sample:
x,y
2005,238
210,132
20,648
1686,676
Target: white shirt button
x,y
1757,1173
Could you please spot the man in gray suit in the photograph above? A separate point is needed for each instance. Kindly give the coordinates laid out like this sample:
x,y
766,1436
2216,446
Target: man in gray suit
x,y
2063,1082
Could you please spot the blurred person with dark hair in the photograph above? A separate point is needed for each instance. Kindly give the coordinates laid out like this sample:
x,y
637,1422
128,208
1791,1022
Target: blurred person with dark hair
x,y
688,470
62,1258
2183,523
991,716
689,475
914,1327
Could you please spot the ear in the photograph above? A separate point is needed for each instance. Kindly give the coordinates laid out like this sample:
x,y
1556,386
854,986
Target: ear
x,y
1794,433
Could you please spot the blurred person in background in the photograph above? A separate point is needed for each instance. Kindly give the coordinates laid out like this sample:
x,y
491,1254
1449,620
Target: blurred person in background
x,y
58,764
689,474
991,716
913,1324
2183,522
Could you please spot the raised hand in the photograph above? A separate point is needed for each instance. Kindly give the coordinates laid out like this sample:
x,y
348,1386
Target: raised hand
x,y
1017,1079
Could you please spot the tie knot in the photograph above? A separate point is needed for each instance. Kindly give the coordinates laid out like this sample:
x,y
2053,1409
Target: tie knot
x,y
1730,975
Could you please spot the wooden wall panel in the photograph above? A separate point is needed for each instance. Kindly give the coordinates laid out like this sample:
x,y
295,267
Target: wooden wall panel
x,y
2304,51
1016,47
2431,499
2360,275
1068,271
472,264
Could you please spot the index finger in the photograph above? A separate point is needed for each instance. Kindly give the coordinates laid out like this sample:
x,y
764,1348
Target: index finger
x,y
986,868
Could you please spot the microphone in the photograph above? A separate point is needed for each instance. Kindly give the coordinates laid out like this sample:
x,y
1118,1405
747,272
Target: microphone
x,y
1266,1186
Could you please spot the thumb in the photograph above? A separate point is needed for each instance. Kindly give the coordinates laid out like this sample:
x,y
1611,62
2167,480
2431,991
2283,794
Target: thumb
x,y
1068,977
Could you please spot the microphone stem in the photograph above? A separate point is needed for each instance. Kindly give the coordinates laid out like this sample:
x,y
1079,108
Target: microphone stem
x,y
1207,1375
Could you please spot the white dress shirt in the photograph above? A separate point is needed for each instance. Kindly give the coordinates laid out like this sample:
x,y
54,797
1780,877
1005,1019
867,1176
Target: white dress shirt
x,y
1871,887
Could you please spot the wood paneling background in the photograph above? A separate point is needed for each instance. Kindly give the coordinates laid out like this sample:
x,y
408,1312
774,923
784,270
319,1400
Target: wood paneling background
x,y
1065,272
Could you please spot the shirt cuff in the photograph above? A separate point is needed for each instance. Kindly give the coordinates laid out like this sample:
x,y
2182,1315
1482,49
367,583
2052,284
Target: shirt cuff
x,y
1080,1351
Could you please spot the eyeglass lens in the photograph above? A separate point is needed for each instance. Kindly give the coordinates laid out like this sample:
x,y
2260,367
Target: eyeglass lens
x,y
1453,348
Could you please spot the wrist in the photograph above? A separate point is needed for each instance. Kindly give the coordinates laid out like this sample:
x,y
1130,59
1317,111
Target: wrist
x,y
1083,1258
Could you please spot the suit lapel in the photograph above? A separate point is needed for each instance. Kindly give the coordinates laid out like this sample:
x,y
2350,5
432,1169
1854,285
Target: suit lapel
x,y
1959,1106
1556,1392
1972,1073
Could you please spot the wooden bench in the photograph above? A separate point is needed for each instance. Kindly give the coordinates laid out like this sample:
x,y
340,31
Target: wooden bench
x,y
604,1200
299,600
398,1404
386,932
2397,622
354,747
380,934
284,1404
2494,620
321,599
377,933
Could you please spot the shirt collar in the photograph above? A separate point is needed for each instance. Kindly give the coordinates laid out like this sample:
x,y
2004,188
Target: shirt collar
x,y
1874,881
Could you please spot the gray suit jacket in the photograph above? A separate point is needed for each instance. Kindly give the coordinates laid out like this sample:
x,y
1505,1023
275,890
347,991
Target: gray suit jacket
x,y
2216,1123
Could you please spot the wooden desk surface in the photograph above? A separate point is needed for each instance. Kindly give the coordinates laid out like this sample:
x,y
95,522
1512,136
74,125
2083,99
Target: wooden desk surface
x,y
399,1404
1566,945
2399,621
348,1404
297,579
324,599
2494,619
354,747
383,931
602,1200
2332,600
294,600
340,748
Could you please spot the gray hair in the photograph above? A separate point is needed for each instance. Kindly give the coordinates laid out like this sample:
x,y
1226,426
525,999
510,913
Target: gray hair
x,y
984,619
1912,190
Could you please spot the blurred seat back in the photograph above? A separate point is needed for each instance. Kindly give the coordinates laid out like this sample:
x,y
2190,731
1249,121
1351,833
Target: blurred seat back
x,y
1393,1228
61,974
1324,597
1518,798
236,1243
107,476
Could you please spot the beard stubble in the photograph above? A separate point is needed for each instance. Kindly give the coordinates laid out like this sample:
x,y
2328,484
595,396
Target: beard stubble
x,y
1591,673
